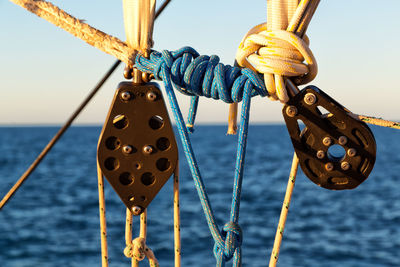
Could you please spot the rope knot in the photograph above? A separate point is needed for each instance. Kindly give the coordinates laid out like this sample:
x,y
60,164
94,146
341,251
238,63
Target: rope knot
x,y
136,249
197,75
232,233
276,54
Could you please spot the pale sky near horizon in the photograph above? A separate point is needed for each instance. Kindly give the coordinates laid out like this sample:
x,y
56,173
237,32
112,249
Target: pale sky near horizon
x,y
45,72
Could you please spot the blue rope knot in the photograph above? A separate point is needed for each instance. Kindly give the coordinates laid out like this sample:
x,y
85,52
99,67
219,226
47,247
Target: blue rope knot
x,y
197,75
232,235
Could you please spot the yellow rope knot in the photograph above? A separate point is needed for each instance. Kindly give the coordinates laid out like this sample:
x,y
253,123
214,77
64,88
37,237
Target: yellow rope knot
x,y
277,54
138,250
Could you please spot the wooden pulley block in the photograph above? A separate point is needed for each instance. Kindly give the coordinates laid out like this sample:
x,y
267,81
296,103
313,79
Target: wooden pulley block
x,y
137,150
335,149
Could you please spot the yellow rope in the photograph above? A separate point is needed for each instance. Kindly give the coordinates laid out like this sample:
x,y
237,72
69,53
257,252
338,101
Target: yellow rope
x,y
278,48
102,213
177,220
284,212
232,118
379,122
137,249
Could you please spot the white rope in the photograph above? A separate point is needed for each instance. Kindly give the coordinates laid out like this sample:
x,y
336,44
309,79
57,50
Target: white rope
x,y
278,50
139,22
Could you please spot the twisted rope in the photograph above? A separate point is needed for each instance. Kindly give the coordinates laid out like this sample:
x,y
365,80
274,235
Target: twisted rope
x,y
276,54
196,75
279,49
379,121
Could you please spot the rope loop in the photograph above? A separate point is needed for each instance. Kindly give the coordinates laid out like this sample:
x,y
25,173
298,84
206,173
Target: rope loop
x,y
136,249
276,54
232,234
197,75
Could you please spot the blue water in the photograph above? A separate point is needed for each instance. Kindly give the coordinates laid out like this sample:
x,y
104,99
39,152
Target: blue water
x,y
53,218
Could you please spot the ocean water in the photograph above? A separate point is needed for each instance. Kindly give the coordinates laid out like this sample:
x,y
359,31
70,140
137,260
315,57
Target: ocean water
x,y
53,219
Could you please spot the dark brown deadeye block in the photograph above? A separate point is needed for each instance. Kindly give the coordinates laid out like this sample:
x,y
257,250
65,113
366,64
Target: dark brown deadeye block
x,y
137,150
336,150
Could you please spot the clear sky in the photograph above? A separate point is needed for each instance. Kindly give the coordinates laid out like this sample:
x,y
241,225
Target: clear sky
x,y
45,72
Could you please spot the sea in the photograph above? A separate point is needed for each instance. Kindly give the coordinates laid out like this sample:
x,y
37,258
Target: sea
x,y
53,220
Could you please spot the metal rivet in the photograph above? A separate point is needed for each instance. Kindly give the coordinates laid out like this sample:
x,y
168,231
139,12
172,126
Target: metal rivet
x,y
327,141
125,96
310,99
329,166
291,111
136,210
132,198
127,149
151,96
138,165
342,140
148,149
345,165
351,152
320,154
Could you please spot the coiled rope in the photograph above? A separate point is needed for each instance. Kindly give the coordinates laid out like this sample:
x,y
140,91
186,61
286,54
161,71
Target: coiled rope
x,y
197,75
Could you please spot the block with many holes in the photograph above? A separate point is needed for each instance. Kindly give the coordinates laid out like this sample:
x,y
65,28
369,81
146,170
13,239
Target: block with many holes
x,y
137,150
335,150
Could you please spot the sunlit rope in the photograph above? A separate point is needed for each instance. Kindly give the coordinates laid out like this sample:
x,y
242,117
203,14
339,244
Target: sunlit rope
x,y
284,212
177,219
139,21
102,215
278,48
379,121
277,53
137,249
197,75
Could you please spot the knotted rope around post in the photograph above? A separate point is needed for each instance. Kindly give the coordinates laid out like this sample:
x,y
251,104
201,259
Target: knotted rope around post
x,y
280,54
278,49
196,75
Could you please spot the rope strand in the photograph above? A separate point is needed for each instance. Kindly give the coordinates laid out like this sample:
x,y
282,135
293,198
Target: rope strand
x,y
177,219
379,122
284,212
102,215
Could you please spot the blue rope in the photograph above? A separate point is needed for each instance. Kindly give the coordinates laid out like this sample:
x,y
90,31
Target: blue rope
x,y
194,102
196,75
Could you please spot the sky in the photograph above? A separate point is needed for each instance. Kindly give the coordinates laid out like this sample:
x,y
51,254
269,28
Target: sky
x,y
45,72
